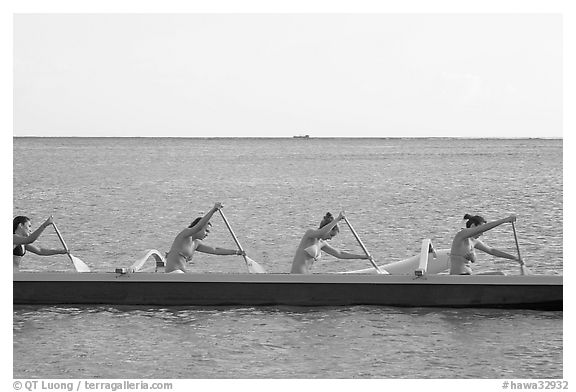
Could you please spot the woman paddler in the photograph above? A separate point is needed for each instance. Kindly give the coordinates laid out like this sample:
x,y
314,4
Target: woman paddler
x,y
466,241
189,240
314,242
23,239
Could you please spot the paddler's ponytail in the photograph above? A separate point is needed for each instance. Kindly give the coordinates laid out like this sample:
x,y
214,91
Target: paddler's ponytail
x,y
194,222
473,220
327,219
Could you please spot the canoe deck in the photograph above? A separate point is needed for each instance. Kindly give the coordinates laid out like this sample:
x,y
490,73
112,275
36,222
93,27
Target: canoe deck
x,y
158,289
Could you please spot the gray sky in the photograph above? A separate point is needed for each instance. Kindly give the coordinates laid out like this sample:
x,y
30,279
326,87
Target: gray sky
x,y
373,75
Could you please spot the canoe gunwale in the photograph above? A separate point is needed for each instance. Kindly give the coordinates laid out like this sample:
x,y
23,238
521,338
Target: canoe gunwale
x,y
290,278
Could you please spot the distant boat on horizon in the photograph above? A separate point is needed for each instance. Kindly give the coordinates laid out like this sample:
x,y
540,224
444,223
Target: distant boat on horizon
x,y
301,137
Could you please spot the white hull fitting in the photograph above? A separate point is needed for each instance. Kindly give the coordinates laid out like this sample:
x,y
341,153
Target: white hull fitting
x,y
426,262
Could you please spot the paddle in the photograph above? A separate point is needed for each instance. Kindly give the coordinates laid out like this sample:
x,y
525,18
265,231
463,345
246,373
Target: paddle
x,y
523,269
253,267
78,264
363,247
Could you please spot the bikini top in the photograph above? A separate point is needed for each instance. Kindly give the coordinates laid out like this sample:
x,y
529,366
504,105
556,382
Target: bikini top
x,y
19,250
470,255
188,257
315,251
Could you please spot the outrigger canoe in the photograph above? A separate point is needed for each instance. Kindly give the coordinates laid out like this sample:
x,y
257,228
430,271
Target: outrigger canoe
x,y
413,282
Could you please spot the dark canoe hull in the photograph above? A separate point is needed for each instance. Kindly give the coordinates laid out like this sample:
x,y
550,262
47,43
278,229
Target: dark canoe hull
x,y
157,289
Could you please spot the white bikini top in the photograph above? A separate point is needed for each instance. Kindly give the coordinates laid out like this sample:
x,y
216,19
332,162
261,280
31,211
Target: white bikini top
x,y
315,250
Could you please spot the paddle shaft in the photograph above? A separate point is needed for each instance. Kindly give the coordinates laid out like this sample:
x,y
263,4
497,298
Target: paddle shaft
x,y
516,240
78,264
65,246
61,239
253,267
362,245
232,232
522,265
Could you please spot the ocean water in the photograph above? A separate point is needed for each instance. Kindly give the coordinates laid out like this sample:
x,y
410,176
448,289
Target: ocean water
x,y
113,198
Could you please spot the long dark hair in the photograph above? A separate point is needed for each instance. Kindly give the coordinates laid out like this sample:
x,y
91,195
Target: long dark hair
x,y
473,220
194,222
18,221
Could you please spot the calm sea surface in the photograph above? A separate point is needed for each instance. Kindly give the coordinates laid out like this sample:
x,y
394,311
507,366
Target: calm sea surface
x,y
113,198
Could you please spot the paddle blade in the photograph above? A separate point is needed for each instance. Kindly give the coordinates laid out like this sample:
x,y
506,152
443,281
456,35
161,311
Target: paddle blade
x,y
378,270
524,270
254,267
79,264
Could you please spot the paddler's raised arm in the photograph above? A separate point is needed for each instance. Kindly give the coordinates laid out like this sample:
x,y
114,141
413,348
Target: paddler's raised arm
x,y
203,221
319,233
475,230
